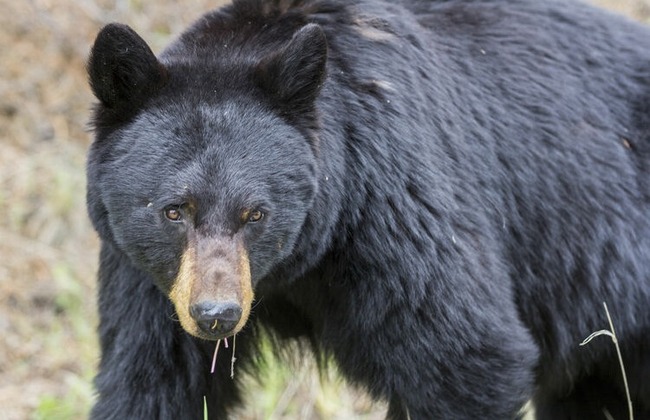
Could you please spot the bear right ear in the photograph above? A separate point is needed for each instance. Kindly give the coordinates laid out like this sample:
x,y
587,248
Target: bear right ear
x,y
122,68
294,75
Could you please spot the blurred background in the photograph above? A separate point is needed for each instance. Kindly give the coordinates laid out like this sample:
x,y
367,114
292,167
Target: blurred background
x,y
48,250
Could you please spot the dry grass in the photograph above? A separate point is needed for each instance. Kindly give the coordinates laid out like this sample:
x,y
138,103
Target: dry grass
x,y
48,348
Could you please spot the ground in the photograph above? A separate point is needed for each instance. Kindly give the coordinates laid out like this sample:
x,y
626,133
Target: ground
x,y
48,346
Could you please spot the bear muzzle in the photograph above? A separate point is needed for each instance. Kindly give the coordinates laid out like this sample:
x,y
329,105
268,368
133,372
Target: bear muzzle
x,y
212,292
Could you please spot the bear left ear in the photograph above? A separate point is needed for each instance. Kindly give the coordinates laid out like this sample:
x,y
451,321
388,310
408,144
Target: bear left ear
x,y
122,68
294,75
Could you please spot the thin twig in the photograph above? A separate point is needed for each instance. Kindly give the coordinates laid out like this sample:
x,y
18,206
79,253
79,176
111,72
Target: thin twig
x,y
214,357
232,360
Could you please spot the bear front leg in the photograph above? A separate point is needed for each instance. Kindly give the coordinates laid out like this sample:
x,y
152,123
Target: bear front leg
x,y
484,372
151,368
461,377
452,346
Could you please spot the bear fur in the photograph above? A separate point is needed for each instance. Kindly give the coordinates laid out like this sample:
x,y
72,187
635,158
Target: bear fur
x,y
436,195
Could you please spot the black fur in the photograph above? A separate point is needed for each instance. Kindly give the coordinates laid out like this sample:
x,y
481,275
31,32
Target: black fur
x,y
451,191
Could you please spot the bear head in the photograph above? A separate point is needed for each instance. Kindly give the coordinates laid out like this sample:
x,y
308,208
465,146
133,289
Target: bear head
x,y
203,168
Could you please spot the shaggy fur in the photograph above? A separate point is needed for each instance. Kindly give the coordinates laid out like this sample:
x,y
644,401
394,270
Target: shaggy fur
x,y
450,190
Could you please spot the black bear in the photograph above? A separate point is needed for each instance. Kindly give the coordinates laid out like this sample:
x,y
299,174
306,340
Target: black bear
x,y
436,195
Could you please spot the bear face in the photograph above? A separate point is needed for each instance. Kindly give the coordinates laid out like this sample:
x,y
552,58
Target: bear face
x,y
210,186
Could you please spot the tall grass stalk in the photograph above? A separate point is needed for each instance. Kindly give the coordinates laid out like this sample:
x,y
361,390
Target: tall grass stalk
x,y
612,334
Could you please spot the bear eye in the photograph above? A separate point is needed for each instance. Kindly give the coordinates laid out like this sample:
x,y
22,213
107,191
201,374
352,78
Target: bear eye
x,y
253,216
173,214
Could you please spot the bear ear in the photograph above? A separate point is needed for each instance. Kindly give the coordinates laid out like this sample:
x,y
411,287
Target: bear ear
x,y
122,68
294,75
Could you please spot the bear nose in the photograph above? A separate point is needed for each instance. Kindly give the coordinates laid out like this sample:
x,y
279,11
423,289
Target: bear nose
x,y
216,318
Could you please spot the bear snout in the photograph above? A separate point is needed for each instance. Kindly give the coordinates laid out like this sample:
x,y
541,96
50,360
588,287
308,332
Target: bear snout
x,y
212,292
